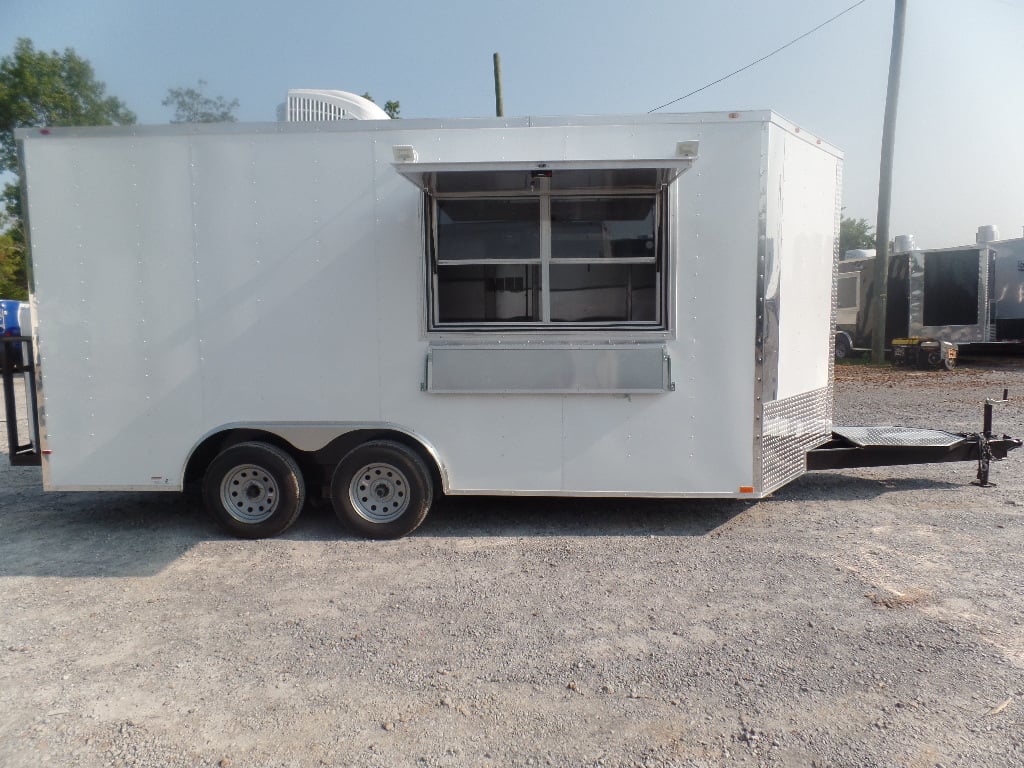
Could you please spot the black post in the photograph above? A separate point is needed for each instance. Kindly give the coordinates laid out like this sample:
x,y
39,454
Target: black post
x,y
7,377
499,102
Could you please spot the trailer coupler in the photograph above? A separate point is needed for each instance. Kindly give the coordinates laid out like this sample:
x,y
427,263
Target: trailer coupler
x,y
891,446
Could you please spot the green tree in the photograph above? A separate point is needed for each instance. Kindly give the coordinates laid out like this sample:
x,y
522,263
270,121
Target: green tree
x,y
855,233
38,89
192,105
392,108
13,282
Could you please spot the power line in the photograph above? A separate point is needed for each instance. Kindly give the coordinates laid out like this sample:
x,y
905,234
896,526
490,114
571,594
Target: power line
x,y
766,56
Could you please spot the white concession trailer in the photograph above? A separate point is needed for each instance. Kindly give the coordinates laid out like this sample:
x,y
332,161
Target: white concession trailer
x,y
382,311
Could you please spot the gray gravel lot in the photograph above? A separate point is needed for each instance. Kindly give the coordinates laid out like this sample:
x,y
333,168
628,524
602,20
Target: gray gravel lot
x,y
867,617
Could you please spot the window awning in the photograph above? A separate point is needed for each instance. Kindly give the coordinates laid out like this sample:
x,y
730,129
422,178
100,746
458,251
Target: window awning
x,y
421,173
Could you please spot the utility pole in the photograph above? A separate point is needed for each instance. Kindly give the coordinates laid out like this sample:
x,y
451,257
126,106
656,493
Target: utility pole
x,y
499,104
879,300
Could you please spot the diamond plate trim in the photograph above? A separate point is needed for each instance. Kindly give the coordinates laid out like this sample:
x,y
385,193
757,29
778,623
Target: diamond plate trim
x,y
835,290
792,427
899,437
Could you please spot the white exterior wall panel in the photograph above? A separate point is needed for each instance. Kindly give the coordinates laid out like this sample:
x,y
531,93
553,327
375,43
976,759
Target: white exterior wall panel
x,y
275,276
286,280
116,325
803,230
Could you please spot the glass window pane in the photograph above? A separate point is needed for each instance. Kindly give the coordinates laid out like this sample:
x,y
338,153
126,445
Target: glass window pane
x,y
847,291
488,293
604,292
480,230
602,228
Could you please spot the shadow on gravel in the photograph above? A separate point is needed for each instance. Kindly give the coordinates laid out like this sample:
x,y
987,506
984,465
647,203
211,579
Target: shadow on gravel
x,y
538,516
111,535
117,535
97,534
837,486
464,516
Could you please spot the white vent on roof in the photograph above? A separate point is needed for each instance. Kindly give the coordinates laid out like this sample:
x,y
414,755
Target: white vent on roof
x,y
904,244
305,106
987,234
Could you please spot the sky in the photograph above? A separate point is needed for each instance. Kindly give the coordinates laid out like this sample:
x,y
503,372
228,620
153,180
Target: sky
x,y
959,159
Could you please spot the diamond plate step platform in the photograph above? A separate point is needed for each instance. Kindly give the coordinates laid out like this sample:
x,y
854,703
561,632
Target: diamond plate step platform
x,y
875,437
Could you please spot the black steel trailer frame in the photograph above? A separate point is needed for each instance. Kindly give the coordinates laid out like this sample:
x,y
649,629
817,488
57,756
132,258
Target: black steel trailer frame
x,y
891,446
17,357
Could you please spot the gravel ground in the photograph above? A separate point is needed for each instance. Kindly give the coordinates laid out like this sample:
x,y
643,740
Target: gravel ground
x,y
868,617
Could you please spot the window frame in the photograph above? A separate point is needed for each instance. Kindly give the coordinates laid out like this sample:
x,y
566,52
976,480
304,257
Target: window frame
x,y
855,278
542,190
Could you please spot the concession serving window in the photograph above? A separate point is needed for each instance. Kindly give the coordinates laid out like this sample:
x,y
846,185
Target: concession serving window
x,y
544,247
533,246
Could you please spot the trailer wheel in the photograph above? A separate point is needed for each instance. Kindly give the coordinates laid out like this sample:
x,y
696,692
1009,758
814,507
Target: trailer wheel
x,y
382,490
843,348
254,490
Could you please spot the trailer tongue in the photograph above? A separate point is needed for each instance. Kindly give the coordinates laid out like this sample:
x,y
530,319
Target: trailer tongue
x,y
888,446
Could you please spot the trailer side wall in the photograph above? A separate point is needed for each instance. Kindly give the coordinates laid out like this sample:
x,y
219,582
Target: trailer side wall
x,y
276,278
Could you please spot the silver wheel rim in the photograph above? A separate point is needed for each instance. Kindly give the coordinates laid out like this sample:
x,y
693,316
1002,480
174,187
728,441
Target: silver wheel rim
x,y
379,493
249,494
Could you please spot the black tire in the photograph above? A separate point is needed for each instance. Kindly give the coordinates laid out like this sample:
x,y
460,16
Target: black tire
x,y
254,490
949,364
382,490
843,348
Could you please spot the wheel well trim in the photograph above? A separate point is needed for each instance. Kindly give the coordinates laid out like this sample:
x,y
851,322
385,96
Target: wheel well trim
x,y
309,437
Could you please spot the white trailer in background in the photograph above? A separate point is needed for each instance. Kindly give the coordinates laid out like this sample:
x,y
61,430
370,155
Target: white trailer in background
x,y
384,310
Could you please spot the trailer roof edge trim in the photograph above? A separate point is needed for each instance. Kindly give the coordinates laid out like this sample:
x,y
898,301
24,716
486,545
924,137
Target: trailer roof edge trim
x,y
421,174
697,119
383,126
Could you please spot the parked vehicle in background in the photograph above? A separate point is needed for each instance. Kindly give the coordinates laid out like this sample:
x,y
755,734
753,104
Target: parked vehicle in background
x,y
851,299
14,322
970,297
13,317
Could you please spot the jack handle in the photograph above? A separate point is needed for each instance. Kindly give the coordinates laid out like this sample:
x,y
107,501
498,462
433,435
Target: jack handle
x,y
987,427
985,457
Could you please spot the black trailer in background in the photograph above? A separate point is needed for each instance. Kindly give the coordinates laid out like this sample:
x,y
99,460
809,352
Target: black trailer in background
x,y
971,296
